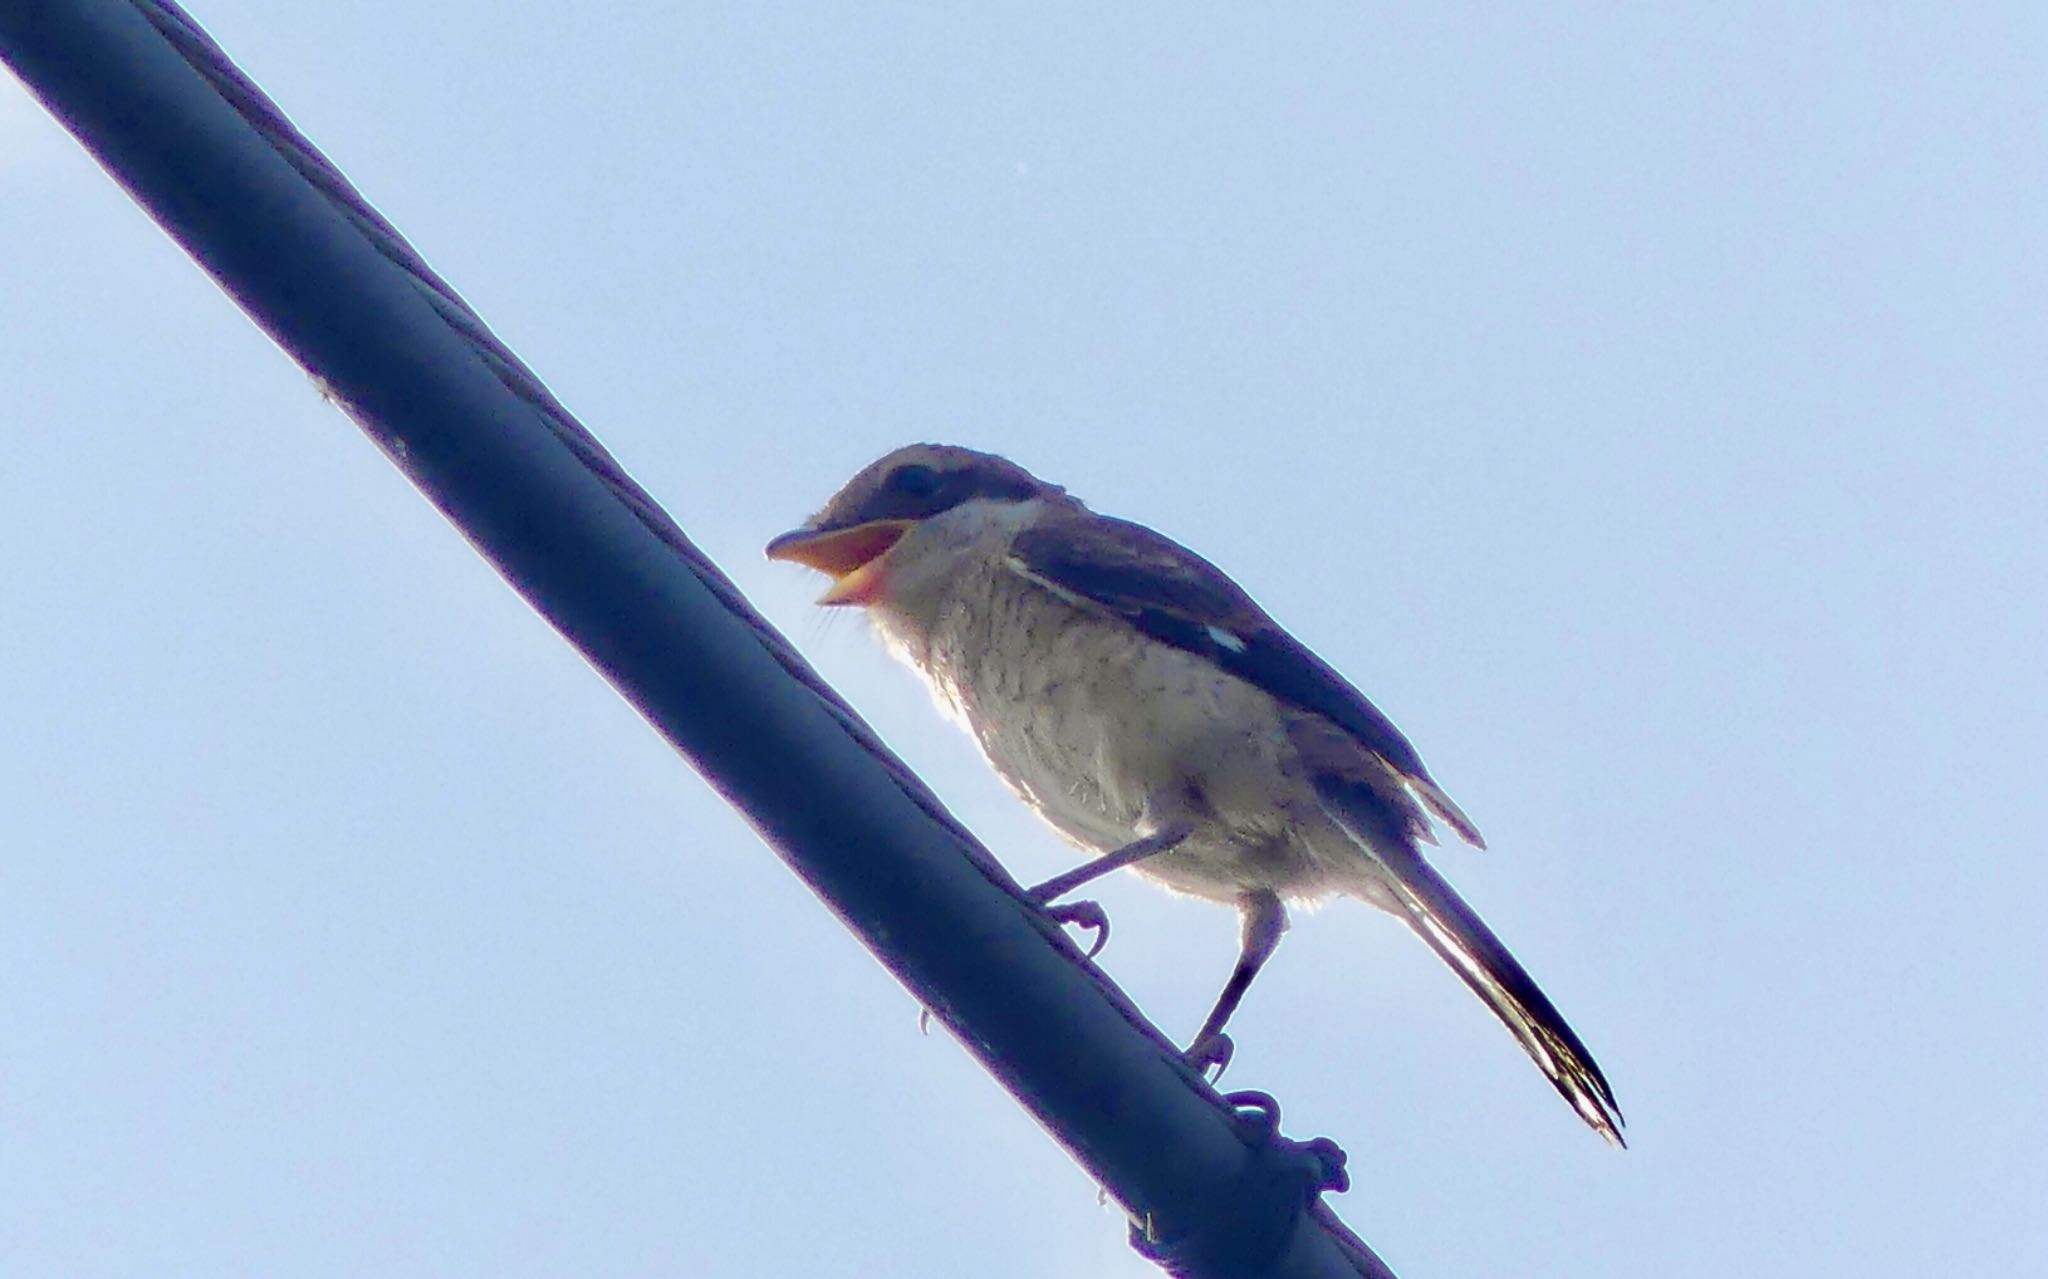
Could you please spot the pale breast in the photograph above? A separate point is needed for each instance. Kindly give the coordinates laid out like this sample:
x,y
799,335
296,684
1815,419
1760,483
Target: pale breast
x,y
1110,736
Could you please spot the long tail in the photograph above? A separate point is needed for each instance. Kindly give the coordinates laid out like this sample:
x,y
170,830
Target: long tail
x,y
1441,918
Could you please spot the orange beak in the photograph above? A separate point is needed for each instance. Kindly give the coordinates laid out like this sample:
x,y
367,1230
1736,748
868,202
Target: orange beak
x,y
852,556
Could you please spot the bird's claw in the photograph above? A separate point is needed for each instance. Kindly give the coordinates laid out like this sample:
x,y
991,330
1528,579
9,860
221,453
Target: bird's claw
x,y
1084,915
1212,1050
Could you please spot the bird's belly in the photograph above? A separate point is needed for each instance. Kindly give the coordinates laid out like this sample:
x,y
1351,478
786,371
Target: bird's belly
x,y
1116,738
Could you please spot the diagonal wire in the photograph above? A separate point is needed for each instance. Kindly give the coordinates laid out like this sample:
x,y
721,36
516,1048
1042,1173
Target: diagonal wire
x,y
1266,1218
212,62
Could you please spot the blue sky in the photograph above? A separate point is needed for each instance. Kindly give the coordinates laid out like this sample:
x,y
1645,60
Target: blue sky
x,y
1646,409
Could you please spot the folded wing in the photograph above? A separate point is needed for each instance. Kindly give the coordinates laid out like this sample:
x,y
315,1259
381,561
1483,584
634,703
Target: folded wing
x,y
1167,592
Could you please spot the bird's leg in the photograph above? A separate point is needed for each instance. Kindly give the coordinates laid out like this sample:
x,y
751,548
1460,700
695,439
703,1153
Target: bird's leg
x,y
1160,841
1265,919
1090,914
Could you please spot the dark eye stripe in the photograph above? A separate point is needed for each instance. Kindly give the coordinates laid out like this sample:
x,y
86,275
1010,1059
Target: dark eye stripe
x,y
915,491
914,480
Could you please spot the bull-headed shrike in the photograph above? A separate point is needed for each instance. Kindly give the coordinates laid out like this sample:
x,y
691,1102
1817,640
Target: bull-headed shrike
x,y
1148,709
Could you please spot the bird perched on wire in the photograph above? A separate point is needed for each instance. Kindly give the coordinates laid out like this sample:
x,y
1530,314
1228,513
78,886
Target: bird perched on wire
x,y
1154,714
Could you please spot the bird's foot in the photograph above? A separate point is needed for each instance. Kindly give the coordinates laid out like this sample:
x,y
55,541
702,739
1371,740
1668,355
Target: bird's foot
x,y
1084,915
1211,1051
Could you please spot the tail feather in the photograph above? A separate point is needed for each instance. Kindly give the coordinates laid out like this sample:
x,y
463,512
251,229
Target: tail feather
x,y
1463,941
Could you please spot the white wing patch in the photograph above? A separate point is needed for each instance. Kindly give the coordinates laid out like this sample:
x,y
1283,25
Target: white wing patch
x,y
1222,638
1225,639
1075,598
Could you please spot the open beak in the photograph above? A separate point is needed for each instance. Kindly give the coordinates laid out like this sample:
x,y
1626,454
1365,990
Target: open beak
x,y
850,555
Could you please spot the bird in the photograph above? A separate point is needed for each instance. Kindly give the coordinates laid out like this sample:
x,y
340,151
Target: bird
x,y
1147,708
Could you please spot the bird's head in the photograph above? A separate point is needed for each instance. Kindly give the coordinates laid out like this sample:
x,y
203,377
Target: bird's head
x,y
875,510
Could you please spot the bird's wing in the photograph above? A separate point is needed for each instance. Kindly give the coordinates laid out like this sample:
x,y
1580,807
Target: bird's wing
x,y
1463,941
1167,592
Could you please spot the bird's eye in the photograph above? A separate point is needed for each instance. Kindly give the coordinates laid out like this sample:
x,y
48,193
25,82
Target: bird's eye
x,y
915,480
